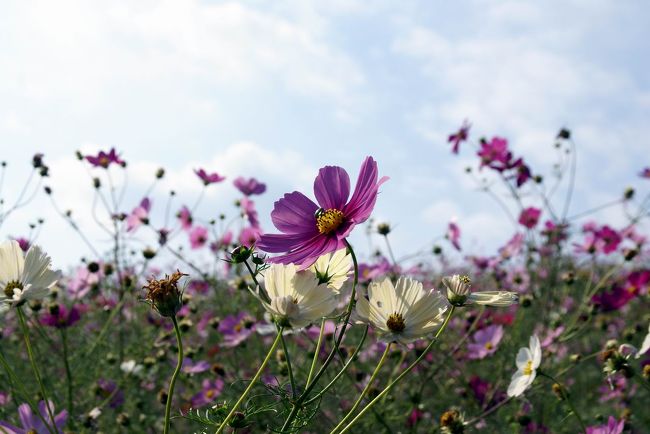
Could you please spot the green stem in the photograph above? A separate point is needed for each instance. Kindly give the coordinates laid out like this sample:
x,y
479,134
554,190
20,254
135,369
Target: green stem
x,y
104,329
316,352
565,396
68,372
402,375
32,360
172,383
290,369
365,389
296,405
21,389
342,371
277,340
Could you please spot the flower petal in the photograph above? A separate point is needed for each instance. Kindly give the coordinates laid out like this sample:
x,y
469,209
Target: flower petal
x,y
332,187
294,213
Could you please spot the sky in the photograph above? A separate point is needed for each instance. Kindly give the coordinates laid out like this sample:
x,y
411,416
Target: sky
x,y
279,89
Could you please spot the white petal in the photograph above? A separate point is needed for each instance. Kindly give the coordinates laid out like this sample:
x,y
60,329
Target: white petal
x,y
523,356
493,298
536,351
382,296
519,384
407,293
11,262
278,280
37,271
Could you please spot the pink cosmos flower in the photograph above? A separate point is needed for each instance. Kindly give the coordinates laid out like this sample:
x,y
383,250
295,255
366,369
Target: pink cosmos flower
x,y
32,423
210,390
368,272
104,159
645,173
453,235
139,215
208,178
459,136
529,217
612,427
249,236
495,154
191,367
248,208
61,317
236,328
485,342
637,282
198,237
23,243
513,246
185,217
310,230
5,398
250,186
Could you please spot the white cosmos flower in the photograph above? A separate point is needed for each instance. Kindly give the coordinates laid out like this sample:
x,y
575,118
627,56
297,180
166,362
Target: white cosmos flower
x,y
333,268
131,367
404,312
458,293
24,278
528,360
296,298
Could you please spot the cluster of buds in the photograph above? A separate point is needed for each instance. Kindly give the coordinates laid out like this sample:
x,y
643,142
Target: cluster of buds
x,y
164,295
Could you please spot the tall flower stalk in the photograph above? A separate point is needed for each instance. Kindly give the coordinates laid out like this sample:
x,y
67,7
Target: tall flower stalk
x,y
32,361
257,376
172,382
402,375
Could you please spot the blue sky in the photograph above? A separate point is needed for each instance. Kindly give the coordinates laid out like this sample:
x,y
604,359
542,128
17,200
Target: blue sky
x,y
278,89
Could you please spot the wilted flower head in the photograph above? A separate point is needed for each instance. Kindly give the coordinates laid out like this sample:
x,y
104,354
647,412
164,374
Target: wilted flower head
x,y
404,312
452,422
27,277
458,293
528,360
163,294
296,298
310,230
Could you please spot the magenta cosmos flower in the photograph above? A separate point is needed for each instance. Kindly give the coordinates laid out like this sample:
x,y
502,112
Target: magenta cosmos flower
x,y
309,229
458,137
105,159
529,217
250,186
208,178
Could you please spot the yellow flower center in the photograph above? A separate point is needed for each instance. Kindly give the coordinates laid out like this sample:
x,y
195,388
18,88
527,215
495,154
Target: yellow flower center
x,y
465,279
395,323
327,221
104,161
489,346
9,290
528,370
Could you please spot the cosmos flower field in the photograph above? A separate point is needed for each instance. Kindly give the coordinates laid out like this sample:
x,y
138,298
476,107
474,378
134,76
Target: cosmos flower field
x,y
189,323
